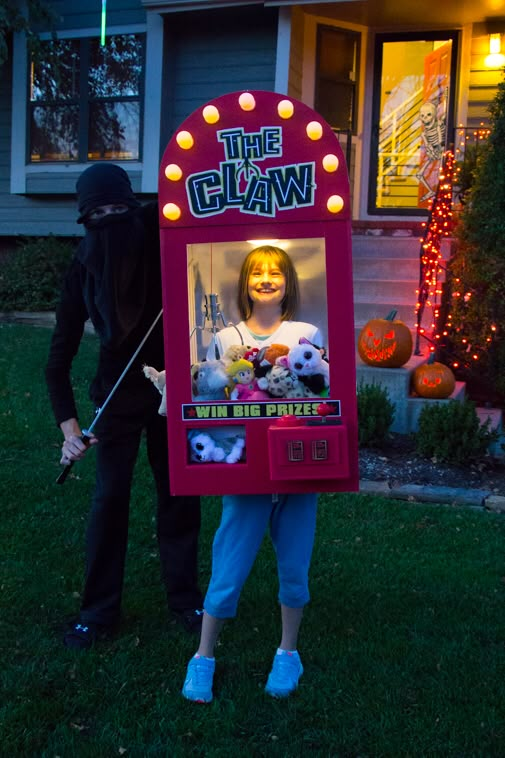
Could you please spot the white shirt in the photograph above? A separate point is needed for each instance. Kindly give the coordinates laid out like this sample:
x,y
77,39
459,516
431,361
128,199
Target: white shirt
x,y
289,333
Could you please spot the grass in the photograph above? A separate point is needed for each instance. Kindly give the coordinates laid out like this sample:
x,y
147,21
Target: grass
x,y
403,643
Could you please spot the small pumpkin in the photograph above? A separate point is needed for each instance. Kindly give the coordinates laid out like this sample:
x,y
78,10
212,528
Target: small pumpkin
x,y
433,380
385,342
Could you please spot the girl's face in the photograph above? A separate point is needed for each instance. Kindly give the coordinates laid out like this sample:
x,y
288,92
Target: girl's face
x,y
266,284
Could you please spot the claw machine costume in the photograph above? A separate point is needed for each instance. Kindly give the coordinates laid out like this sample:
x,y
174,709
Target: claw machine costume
x,y
246,414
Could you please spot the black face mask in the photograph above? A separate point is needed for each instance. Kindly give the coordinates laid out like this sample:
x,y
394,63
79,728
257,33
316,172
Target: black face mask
x,y
117,270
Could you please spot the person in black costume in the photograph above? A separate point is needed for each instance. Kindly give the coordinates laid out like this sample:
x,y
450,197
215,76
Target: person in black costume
x,y
114,279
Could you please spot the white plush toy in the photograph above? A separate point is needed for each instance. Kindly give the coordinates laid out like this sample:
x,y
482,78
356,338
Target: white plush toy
x,y
206,449
158,378
306,361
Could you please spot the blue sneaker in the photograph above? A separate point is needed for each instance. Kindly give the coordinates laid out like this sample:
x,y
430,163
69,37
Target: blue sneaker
x,y
286,671
198,682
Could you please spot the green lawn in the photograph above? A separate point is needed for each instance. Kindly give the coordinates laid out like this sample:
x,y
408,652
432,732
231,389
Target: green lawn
x,y
403,643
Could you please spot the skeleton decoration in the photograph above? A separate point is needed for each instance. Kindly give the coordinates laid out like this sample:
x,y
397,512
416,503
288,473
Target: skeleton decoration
x,y
433,143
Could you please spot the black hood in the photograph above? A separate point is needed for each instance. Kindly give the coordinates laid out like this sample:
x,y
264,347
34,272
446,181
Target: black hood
x,y
103,184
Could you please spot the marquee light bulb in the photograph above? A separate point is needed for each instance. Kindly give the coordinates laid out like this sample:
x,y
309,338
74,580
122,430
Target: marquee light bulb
x,y
173,172
172,211
330,163
247,101
185,140
285,109
314,130
211,114
335,204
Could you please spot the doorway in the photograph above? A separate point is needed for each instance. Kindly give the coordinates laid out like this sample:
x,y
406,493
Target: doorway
x,y
412,119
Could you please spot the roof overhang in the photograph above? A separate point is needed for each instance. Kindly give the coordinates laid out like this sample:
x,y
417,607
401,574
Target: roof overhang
x,y
172,6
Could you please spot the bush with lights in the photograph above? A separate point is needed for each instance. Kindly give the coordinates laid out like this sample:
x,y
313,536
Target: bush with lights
x,y
476,320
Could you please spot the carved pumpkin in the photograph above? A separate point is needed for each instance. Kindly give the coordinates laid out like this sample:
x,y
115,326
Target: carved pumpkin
x,y
433,380
385,342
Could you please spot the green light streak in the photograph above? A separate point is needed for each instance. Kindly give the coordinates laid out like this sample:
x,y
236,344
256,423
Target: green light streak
x,y
104,14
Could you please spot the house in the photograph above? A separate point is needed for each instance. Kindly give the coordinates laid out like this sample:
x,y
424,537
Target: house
x,y
398,80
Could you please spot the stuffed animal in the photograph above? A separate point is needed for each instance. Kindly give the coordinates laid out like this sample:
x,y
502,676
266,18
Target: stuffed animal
x,y
246,385
209,381
266,358
234,353
281,382
204,448
306,361
158,378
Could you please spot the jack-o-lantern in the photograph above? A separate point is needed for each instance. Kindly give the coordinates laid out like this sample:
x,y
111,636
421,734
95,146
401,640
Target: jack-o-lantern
x,y
433,380
385,342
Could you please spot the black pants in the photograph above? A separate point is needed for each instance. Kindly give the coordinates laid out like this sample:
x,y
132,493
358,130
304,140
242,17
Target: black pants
x,y
178,517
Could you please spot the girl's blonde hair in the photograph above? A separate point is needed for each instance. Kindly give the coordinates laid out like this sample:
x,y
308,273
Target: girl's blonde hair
x,y
277,257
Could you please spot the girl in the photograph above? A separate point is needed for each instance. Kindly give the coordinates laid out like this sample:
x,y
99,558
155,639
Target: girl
x,y
268,298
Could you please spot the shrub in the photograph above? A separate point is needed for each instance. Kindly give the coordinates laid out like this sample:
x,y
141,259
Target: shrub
x,y
477,270
31,276
376,413
452,432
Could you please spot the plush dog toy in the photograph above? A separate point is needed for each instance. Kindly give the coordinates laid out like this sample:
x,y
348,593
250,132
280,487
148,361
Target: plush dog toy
x,y
204,448
158,378
281,382
306,361
234,353
209,381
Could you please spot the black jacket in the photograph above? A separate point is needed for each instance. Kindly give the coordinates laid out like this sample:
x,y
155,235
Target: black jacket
x,y
71,316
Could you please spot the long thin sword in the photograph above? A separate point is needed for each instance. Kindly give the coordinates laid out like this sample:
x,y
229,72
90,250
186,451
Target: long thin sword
x,y
87,433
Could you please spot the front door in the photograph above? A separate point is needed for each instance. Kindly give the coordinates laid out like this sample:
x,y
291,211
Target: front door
x,y
412,118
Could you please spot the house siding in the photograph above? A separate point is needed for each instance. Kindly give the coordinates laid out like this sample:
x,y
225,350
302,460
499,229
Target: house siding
x,y
211,54
206,55
5,126
483,83
87,14
296,54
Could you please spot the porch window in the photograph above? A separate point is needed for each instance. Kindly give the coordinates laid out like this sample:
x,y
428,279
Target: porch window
x,y
412,119
85,100
337,77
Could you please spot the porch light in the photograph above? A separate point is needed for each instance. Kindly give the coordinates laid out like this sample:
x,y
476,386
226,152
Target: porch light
x,y
495,59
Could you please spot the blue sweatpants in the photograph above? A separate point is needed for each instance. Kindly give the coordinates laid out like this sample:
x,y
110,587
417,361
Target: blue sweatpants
x,y
292,521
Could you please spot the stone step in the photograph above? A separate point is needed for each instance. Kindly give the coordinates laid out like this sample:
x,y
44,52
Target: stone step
x,y
371,245
382,291
363,312
371,267
404,244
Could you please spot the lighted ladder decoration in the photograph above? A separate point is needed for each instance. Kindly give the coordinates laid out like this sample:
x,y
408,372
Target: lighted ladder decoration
x,y
438,226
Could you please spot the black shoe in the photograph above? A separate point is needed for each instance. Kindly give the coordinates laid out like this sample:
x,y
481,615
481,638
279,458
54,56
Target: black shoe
x,y
82,636
191,619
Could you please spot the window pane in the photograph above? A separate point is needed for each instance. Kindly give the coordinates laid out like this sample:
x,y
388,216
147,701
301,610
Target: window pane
x,y
53,133
114,131
337,102
115,69
336,76
55,74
